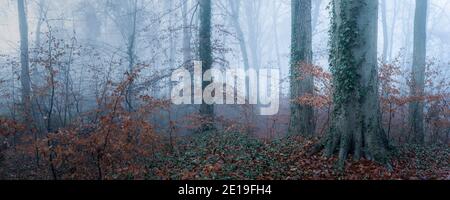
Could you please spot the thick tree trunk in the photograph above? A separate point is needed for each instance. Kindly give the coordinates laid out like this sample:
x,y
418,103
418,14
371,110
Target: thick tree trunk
x,y
418,72
302,116
24,62
205,52
356,127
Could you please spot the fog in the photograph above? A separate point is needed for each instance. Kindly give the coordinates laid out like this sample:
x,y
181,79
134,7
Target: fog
x,y
120,89
100,30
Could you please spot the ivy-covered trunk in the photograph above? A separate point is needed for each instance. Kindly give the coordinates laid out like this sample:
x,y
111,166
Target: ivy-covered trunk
x,y
418,72
205,51
355,127
302,116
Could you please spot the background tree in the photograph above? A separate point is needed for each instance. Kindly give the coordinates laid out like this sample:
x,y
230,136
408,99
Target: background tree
x,y
125,16
355,127
205,53
418,72
187,33
24,62
234,12
385,32
302,116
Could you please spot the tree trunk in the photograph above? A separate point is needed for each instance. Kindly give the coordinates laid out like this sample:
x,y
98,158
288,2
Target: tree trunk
x,y
275,32
385,32
235,11
205,52
24,62
187,55
394,22
356,120
302,116
172,46
129,98
253,10
42,15
418,72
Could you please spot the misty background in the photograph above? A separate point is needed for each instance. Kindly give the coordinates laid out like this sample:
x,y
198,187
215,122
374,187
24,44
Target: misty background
x,y
97,36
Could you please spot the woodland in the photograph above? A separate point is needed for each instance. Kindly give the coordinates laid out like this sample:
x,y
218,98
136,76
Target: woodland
x,y
85,90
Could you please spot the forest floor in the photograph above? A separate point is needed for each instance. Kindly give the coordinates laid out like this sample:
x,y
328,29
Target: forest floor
x,y
232,156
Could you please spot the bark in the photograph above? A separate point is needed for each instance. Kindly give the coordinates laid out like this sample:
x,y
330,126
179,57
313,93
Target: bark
x,y
302,116
356,119
418,72
24,62
205,52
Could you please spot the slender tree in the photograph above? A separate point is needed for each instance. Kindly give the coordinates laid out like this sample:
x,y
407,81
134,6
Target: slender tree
x,y
42,10
205,53
24,62
356,120
253,16
392,28
418,71
235,7
131,48
172,46
275,24
316,14
187,55
124,14
302,116
385,31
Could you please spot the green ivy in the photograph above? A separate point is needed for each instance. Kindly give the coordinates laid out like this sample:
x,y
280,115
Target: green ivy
x,y
343,66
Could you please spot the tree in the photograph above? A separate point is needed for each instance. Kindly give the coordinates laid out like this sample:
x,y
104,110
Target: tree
x,y
235,7
131,48
205,52
385,31
253,13
172,47
125,16
187,57
356,119
24,62
418,71
42,10
302,116
392,28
